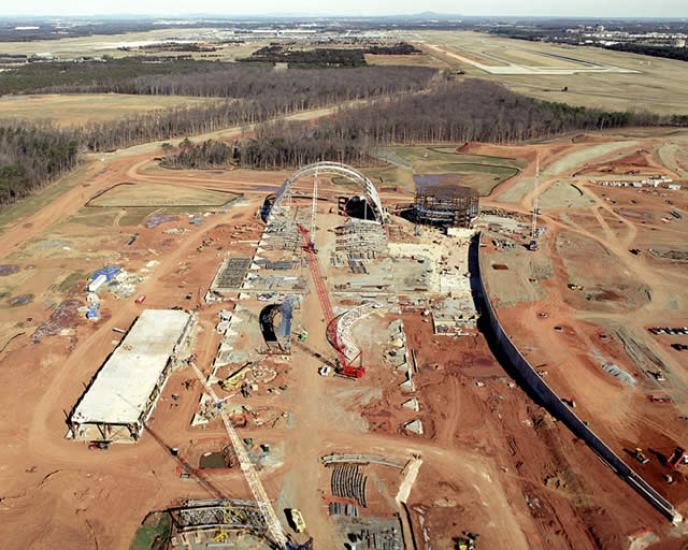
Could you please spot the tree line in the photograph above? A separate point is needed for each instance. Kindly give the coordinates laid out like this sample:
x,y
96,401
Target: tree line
x,y
454,112
298,88
327,57
209,154
31,157
669,52
258,97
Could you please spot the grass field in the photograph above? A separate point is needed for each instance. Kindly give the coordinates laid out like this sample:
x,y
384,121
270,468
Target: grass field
x,y
67,110
482,173
657,85
41,197
419,60
151,194
110,44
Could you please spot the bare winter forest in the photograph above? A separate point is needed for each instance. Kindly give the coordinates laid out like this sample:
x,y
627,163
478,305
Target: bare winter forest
x,y
398,105
252,95
471,110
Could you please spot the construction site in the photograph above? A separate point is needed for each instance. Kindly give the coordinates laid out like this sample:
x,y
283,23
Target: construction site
x,y
327,362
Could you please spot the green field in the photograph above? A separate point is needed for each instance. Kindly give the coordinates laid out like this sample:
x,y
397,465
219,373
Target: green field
x,y
75,110
152,194
480,172
656,85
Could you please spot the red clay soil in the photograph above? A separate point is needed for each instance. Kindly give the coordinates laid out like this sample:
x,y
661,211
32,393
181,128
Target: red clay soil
x,y
570,498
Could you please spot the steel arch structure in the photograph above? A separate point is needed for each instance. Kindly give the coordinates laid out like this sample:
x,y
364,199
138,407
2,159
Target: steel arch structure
x,y
370,192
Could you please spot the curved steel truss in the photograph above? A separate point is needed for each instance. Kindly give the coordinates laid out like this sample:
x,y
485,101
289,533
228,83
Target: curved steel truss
x,y
370,192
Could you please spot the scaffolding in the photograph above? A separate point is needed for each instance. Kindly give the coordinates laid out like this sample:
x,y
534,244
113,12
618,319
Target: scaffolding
x,y
446,205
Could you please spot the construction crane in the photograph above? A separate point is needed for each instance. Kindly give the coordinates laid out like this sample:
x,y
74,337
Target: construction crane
x,y
274,527
345,368
536,210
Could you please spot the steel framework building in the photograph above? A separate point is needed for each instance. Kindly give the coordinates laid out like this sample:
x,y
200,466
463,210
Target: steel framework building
x,y
445,205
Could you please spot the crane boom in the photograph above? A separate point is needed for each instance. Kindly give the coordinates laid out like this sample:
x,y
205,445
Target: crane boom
x,y
248,469
346,368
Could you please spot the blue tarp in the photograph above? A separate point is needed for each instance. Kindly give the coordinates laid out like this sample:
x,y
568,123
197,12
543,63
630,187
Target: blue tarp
x,y
109,271
92,312
284,330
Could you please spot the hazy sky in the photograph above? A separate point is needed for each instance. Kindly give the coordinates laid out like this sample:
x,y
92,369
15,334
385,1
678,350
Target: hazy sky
x,y
588,8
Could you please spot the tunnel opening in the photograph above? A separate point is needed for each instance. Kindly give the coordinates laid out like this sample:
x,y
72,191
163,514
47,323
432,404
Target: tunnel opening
x,y
359,207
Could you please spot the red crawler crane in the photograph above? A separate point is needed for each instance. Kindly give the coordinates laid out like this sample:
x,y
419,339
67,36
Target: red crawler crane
x,y
345,367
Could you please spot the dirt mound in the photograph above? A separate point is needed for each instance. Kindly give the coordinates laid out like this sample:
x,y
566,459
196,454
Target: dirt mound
x,y
592,138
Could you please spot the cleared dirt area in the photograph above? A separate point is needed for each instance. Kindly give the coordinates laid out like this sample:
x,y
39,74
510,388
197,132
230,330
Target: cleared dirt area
x,y
69,110
594,77
584,322
492,461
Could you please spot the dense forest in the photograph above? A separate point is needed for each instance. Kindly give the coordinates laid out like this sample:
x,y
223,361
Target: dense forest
x,y
31,157
296,88
327,57
209,154
259,95
472,110
68,76
317,57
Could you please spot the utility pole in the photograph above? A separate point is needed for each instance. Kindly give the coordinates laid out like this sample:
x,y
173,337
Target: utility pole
x,y
533,222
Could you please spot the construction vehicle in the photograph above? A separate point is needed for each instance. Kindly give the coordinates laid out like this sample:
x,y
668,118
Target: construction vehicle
x,y
660,399
679,457
640,456
296,519
235,380
466,541
344,367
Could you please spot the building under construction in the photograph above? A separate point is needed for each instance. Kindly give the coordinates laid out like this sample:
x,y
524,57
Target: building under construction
x,y
125,390
445,205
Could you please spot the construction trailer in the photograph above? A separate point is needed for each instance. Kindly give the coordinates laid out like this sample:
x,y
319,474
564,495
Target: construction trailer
x,y
445,205
125,390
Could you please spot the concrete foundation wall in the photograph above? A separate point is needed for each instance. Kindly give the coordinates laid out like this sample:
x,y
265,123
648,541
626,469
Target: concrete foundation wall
x,y
536,386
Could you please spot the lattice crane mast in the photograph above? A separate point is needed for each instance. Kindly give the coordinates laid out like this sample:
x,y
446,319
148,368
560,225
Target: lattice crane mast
x,y
274,527
346,368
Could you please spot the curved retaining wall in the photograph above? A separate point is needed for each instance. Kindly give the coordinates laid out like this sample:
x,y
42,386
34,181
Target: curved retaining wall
x,y
537,387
